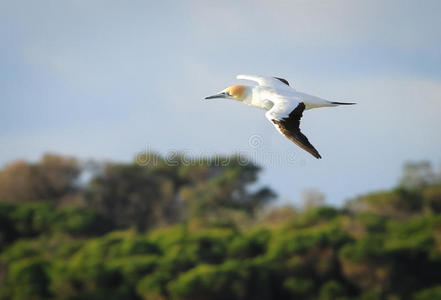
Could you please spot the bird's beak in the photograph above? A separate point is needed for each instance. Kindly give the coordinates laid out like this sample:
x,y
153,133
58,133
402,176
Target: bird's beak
x,y
221,95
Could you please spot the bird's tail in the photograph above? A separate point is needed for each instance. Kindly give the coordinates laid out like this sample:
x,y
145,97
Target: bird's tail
x,y
343,103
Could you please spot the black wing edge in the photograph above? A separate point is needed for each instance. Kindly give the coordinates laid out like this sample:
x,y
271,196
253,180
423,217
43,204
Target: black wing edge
x,y
344,103
290,127
282,80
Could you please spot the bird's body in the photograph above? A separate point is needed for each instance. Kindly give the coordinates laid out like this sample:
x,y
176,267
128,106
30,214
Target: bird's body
x,y
284,105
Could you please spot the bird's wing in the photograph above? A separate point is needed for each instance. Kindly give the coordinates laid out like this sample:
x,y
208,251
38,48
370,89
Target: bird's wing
x,y
286,115
265,81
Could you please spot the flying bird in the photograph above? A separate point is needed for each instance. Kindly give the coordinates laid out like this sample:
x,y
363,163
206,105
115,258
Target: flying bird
x,y
284,105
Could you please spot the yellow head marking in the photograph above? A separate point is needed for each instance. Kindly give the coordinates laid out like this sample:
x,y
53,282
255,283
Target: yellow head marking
x,y
236,91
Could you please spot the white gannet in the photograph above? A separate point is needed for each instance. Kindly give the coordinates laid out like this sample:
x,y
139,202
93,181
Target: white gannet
x,y
284,105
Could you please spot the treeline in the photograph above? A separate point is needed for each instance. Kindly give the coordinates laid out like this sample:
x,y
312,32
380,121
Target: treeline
x,y
172,230
151,192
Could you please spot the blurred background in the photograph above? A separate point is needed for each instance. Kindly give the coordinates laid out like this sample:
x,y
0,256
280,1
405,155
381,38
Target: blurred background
x,y
106,80
117,181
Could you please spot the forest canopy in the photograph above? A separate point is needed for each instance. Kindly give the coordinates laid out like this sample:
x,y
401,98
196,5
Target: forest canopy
x,y
208,230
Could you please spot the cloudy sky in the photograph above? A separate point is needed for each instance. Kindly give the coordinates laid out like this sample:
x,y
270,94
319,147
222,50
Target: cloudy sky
x,y
109,79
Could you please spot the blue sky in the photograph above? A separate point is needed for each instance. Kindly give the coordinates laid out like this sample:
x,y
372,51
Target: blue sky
x,y
109,79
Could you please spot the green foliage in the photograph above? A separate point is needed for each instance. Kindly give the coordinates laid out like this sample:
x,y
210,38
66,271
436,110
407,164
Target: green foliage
x,y
33,219
226,281
168,230
250,245
27,279
399,203
298,287
433,293
372,223
165,192
226,188
316,216
432,198
415,235
154,286
368,247
331,290
130,195
319,261
82,221
370,295
290,242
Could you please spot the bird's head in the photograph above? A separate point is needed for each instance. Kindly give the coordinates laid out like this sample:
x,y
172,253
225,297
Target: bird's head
x,y
235,92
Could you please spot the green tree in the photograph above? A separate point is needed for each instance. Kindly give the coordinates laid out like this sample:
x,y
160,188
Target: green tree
x,y
27,279
132,195
227,188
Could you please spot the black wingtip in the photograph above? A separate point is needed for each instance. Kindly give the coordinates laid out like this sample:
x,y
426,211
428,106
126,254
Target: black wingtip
x,y
282,80
314,152
344,103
